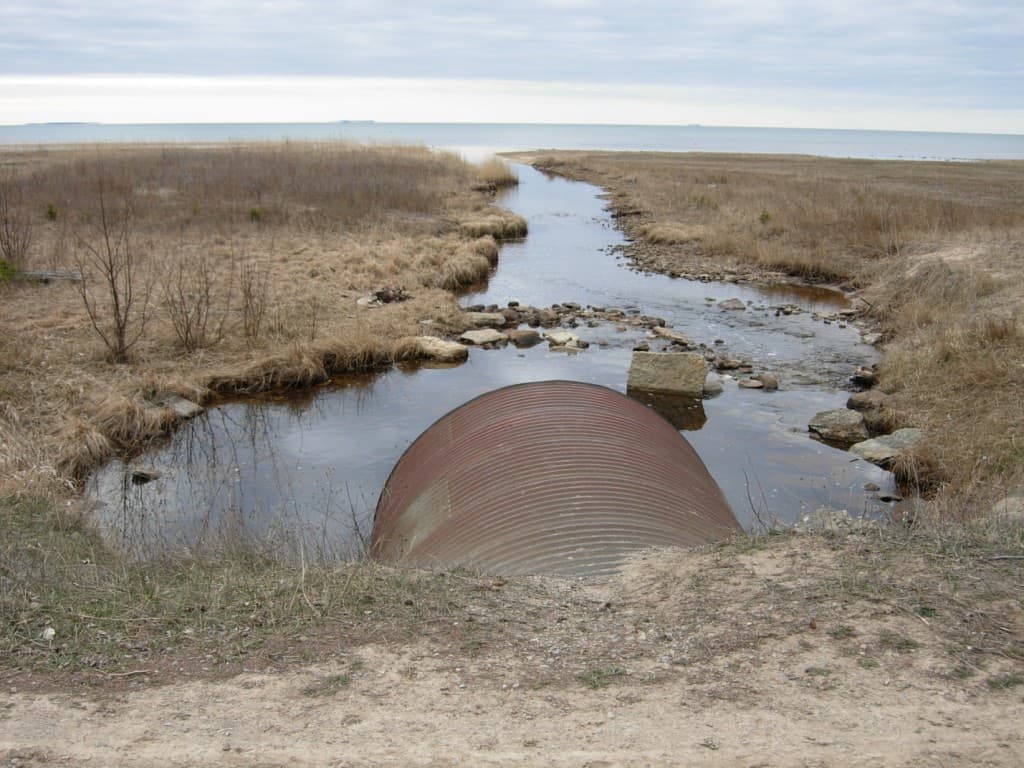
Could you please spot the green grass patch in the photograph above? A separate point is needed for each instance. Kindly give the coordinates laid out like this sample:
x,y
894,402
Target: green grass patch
x,y
842,632
69,603
897,642
1004,682
600,678
818,671
327,686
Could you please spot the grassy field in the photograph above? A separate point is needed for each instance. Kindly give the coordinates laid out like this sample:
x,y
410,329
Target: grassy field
x,y
247,263
934,250
214,270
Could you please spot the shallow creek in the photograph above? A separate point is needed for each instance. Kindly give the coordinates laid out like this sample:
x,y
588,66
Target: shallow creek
x,y
302,470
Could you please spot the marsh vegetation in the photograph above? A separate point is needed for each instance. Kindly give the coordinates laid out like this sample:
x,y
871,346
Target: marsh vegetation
x,y
934,250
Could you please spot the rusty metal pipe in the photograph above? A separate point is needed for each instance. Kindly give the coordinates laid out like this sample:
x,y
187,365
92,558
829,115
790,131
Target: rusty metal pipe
x,y
546,477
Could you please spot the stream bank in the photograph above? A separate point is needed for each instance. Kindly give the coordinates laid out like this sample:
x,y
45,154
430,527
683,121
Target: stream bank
x,y
300,472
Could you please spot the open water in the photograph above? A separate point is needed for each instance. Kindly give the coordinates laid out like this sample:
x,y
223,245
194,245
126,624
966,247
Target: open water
x,y
476,141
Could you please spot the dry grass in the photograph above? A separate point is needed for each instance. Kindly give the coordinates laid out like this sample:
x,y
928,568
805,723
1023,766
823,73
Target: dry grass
x,y
246,263
502,227
820,219
497,174
937,249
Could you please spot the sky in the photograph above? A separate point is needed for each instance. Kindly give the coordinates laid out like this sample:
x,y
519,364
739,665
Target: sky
x,y
901,64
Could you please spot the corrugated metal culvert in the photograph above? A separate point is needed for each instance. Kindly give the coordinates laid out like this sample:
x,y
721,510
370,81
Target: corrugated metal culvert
x,y
546,477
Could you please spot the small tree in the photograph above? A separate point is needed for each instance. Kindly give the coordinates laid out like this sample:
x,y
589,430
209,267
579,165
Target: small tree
x,y
115,294
15,225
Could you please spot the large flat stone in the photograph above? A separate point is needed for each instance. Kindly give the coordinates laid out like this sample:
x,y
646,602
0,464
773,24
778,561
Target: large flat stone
x,y
882,450
841,426
678,373
562,338
676,337
183,407
483,336
442,350
485,319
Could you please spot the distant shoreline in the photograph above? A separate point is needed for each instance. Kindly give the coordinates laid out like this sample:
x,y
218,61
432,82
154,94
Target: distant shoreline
x,y
478,140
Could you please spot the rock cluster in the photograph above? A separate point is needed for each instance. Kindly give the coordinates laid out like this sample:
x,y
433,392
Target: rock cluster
x,y
567,314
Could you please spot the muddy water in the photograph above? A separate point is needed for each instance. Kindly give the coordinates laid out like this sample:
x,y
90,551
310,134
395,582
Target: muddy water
x,y
302,472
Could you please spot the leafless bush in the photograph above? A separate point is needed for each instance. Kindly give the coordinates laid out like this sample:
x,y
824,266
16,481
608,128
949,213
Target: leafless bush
x,y
254,287
115,294
197,310
15,224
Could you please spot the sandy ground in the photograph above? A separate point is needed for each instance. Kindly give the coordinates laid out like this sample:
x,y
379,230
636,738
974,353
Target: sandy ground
x,y
770,655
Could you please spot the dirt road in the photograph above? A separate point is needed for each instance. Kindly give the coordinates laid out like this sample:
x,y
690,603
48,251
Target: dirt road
x,y
791,651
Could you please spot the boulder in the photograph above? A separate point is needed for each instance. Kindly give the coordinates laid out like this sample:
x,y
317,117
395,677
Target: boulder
x,y
562,338
750,384
841,426
865,377
184,408
485,319
727,363
713,385
732,304
524,338
871,400
882,450
483,336
679,373
676,337
441,350
769,380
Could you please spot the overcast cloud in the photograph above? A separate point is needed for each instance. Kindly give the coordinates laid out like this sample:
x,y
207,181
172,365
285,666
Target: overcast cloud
x,y
937,57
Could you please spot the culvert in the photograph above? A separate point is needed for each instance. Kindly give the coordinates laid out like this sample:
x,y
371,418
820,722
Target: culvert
x,y
546,477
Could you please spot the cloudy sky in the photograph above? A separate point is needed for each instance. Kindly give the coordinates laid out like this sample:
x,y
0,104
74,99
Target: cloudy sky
x,y
905,64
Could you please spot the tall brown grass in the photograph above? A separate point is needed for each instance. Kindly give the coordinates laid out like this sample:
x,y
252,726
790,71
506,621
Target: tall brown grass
x,y
322,185
497,174
819,219
244,264
937,250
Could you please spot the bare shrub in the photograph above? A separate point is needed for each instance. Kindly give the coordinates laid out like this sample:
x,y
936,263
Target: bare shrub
x,y
15,225
197,310
115,294
254,292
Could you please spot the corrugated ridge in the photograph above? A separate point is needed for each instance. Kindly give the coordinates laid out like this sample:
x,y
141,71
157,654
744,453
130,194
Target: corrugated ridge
x,y
550,476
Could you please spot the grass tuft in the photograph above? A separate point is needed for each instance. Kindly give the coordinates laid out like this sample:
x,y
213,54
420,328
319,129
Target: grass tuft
x,y
497,174
600,678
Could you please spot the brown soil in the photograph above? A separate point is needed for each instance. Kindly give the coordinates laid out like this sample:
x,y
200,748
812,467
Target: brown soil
x,y
812,649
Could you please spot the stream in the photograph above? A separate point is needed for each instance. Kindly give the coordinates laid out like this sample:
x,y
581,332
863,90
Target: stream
x,y
300,472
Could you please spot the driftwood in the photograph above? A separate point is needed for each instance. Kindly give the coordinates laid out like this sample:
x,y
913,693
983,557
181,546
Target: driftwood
x,y
49,277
